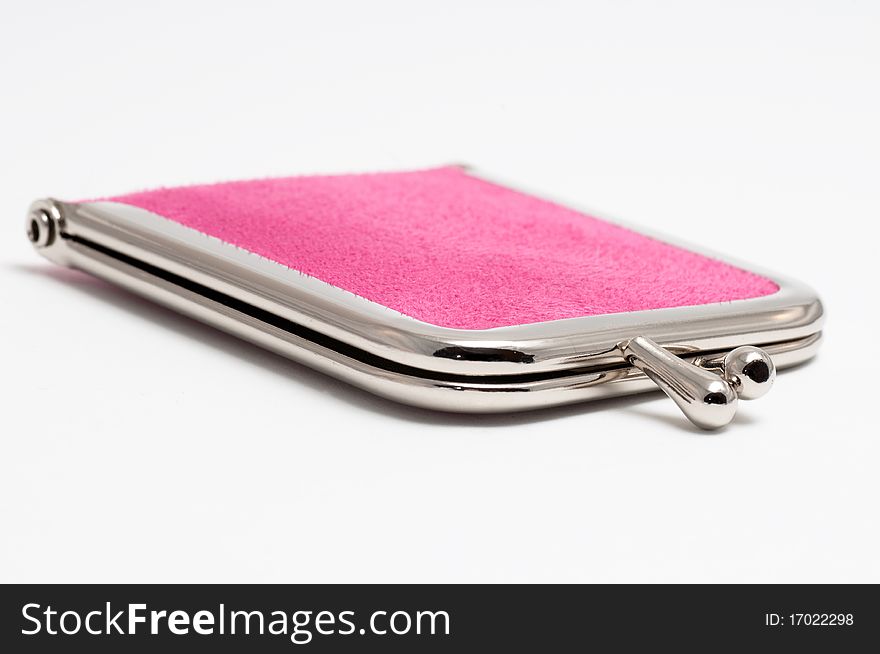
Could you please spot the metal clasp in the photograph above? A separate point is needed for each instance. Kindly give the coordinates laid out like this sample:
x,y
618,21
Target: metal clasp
x,y
708,390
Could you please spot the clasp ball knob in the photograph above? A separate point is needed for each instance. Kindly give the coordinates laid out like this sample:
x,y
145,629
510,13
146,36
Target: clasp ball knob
x,y
750,371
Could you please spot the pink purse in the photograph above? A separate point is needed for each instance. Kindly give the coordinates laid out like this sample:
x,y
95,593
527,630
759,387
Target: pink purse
x,y
445,289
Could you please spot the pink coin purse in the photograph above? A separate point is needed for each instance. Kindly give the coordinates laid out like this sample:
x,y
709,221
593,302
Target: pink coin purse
x,y
446,289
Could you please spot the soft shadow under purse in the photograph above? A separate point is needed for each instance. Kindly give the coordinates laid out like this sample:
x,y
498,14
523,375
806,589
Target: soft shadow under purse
x,y
445,289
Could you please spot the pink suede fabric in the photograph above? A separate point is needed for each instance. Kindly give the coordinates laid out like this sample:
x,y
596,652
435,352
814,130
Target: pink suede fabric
x,y
450,249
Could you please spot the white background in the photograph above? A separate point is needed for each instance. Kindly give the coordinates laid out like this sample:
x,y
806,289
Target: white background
x,y
140,446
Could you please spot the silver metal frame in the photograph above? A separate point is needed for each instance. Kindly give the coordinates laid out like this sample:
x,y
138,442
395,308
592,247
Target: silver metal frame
x,y
490,370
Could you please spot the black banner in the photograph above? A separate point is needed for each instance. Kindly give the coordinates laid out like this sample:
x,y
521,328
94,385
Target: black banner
x,y
418,618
